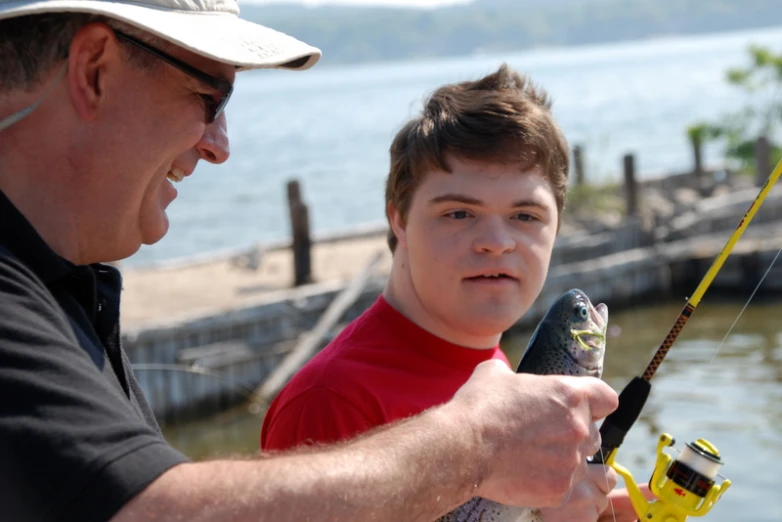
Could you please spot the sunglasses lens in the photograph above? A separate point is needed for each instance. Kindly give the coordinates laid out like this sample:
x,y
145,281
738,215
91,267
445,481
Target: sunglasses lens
x,y
226,88
221,105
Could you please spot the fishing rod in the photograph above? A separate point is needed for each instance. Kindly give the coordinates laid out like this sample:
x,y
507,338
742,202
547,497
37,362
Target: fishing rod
x,y
700,461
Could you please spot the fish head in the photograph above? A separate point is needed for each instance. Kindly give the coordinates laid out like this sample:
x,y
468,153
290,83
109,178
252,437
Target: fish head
x,y
584,326
569,340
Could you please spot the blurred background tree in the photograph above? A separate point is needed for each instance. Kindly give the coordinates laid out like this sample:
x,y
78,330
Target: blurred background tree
x,y
761,80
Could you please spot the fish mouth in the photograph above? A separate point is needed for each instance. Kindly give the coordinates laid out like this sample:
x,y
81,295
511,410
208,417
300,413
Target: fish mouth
x,y
591,344
597,338
599,315
595,369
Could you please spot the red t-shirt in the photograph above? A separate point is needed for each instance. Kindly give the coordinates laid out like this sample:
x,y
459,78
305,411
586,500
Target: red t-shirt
x,y
380,368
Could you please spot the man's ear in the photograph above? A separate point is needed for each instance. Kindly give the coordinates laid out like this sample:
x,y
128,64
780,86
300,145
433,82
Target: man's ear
x,y
397,224
94,50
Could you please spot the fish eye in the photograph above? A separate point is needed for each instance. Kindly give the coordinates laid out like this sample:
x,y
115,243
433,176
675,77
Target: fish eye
x,y
581,311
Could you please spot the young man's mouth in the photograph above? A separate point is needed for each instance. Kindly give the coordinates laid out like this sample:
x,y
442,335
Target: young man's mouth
x,y
492,277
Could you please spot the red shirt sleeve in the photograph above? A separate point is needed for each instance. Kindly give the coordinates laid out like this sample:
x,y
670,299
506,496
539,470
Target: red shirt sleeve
x,y
317,415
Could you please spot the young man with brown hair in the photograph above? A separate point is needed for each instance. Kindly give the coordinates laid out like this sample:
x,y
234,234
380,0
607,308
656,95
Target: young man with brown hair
x,y
474,197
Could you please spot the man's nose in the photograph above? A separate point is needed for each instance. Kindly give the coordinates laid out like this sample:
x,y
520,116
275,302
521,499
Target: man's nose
x,y
214,146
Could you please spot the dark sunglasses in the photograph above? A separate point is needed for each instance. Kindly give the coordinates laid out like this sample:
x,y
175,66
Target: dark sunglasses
x,y
213,107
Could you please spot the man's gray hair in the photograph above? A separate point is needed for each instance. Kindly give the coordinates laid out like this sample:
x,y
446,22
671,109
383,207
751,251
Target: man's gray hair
x,y
32,45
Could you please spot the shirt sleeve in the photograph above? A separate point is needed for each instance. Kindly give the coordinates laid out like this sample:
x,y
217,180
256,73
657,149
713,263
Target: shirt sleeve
x,y
317,415
71,445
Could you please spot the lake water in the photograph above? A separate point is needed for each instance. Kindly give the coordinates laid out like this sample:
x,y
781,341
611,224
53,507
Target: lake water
x,y
330,127
729,395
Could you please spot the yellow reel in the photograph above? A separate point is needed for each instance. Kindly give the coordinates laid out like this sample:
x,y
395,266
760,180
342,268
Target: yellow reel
x,y
683,487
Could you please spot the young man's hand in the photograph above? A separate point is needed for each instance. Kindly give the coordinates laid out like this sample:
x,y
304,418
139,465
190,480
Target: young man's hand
x,y
588,498
594,499
620,508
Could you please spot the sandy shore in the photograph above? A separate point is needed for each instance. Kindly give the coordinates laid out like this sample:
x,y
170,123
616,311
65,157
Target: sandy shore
x,y
151,294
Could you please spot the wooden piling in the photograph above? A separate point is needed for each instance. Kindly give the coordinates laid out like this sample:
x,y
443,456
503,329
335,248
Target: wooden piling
x,y
631,186
697,154
301,244
762,160
578,165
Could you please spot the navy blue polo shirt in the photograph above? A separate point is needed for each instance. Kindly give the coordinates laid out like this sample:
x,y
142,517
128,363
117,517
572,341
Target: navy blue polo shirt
x,y
77,438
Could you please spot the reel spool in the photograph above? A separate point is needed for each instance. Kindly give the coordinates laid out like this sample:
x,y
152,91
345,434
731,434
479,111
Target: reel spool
x,y
684,487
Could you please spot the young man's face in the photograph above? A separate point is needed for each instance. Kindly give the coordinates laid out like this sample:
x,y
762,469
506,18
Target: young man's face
x,y
476,248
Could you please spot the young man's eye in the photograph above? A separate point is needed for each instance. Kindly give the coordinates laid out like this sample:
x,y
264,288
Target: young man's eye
x,y
458,214
523,216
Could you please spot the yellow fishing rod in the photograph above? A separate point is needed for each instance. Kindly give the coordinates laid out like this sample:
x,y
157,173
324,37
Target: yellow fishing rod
x,y
700,460
697,295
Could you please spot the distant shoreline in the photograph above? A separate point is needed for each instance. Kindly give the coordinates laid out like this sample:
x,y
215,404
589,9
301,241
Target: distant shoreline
x,y
358,34
669,38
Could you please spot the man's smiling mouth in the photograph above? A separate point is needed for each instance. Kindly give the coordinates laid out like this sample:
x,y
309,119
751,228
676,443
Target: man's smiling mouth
x,y
175,175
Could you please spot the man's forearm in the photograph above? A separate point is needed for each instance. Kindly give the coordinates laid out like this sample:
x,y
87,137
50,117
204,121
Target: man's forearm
x,y
411,471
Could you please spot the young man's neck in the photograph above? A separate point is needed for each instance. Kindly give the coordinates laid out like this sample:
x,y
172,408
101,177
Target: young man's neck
x,y
400,294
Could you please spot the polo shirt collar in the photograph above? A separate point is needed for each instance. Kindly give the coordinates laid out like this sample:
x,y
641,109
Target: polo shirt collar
x,y
19,237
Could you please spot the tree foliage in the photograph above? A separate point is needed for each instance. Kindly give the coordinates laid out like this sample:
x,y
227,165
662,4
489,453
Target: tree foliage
x,y
761,81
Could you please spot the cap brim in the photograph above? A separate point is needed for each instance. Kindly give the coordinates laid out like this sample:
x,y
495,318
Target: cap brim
x,y
221,36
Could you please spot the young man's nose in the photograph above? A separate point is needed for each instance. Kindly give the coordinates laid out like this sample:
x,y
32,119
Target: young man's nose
x,y
494,236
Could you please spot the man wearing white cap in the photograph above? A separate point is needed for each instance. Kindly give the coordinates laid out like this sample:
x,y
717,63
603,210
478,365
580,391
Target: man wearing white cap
x,y
103,106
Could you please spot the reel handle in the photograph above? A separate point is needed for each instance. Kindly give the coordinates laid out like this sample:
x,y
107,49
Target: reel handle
x,y
616,425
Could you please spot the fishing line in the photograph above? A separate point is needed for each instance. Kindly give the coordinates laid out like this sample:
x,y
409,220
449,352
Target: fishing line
x,y
746,305
195,369
610,500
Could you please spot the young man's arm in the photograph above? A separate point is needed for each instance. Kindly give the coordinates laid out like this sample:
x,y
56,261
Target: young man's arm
x,y
517,439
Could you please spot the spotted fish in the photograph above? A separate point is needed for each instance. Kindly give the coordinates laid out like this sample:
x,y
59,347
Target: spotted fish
x,y
569,340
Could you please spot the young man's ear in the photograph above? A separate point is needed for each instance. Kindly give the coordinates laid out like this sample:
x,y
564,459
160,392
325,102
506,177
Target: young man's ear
x,y
397,224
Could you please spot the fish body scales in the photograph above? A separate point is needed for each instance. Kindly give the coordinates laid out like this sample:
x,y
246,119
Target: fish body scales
x,y
481,510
